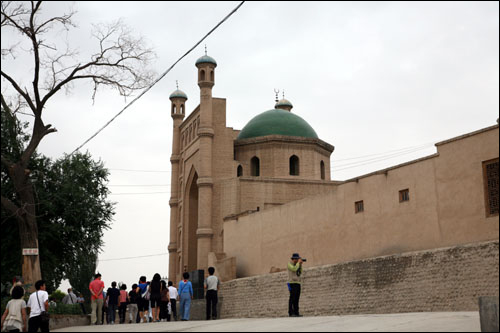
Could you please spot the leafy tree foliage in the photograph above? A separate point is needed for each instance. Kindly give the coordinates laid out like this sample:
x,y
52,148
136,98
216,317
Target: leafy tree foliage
x,y
72,212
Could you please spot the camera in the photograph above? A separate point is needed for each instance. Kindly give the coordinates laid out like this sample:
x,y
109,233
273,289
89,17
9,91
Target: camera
x,y
304,259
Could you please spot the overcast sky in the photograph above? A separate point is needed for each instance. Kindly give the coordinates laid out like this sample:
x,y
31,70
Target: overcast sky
x,y
369,77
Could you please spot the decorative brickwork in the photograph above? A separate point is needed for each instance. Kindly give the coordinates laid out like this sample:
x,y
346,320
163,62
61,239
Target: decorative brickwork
x,y
490,170
448,279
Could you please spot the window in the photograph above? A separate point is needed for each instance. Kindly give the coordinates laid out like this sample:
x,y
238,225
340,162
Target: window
x,y
212,76
359,207
322,170
404,195
294,166
202,75
490,180
239,172
255,164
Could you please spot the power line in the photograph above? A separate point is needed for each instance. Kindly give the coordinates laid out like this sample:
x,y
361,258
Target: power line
x,y
139,193
139,185
379,157
127,258
157,80
382,158
383,153
131,170
379,160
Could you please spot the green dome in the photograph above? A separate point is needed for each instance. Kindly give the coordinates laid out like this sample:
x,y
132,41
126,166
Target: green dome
x,y
206,59
277,122
178,94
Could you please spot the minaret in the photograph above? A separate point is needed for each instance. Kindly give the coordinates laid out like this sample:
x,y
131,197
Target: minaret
x,y
206,80
178,99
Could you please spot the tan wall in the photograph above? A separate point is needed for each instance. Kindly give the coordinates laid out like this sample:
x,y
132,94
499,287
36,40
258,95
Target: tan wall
x,y
275,159
252,193
459,174
223,167
446,207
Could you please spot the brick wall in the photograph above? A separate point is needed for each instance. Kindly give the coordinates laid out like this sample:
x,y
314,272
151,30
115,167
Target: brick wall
x,y
447,279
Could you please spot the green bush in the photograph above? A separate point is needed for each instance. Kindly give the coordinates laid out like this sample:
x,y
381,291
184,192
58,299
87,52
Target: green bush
x,y
58,296
66,309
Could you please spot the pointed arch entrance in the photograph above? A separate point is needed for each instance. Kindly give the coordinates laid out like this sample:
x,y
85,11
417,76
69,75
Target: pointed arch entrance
x,y
191,221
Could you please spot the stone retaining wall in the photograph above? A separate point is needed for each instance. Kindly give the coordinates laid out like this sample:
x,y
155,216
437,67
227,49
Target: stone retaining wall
x,y
448,279
62,321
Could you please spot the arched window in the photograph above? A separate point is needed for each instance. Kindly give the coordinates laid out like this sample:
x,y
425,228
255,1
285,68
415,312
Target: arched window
x,y
294,166
202,75
255,166
212,76
173,108
182,108
239,172
322,169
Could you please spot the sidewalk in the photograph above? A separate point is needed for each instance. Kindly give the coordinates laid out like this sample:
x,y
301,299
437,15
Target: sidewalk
x,y
414,322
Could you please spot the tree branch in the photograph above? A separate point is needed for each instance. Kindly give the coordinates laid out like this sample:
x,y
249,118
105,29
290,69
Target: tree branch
x,y
39,132
36,54
21,92
10,206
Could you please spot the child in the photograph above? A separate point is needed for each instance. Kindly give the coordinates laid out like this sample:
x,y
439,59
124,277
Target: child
x,y
172,291
14,316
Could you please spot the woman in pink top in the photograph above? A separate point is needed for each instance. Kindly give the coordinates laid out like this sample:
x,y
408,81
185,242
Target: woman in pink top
x,y
124,300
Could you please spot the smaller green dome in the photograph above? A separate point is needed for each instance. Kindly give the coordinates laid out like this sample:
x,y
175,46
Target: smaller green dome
x,y
206,59
283,102
178,94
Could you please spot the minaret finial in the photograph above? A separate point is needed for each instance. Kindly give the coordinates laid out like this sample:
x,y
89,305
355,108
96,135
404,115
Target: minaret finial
x,y
283,93
276,91
205,49
177,84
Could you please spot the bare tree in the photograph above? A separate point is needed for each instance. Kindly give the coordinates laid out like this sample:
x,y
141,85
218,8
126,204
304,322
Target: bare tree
x,y
120,62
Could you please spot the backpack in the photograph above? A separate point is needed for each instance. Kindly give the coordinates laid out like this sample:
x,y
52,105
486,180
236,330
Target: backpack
x,y
146,295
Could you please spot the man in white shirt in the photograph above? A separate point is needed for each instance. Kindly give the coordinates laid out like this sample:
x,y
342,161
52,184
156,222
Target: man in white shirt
x,y
174,296
38,303
212,286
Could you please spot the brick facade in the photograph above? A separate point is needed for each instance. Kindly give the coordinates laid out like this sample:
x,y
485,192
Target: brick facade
x,y
447,279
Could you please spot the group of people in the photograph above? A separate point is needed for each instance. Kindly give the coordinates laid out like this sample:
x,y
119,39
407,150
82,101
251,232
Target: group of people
x,y
152,301
15,317
70,299
149,301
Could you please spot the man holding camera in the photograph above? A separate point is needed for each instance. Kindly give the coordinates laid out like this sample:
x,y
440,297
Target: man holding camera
x,y
294,282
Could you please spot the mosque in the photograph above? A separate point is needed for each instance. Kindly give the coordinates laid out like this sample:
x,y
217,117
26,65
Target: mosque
x,y
243,201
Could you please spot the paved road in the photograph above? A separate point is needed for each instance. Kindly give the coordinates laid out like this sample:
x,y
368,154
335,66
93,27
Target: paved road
x,y
413,322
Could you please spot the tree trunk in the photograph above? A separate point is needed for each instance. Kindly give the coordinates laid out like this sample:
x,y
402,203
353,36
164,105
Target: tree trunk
x,y
28,228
